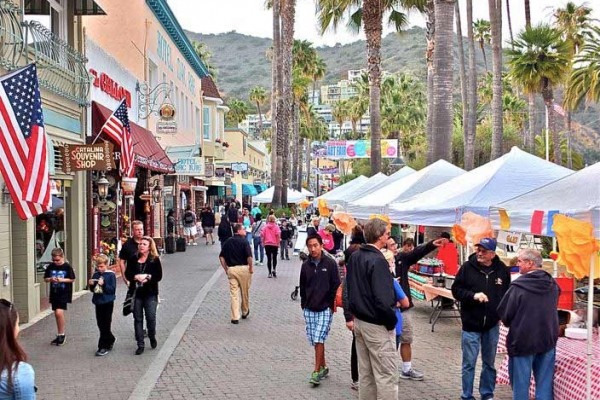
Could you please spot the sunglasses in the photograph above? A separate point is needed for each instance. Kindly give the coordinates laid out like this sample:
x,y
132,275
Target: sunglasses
x,y
6,303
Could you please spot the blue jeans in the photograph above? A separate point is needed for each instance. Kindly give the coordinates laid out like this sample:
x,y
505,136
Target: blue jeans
x,y
519,371
144,305
249,239
471,343
258,248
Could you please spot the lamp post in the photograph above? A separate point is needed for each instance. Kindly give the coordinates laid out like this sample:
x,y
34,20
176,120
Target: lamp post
x,y
102,184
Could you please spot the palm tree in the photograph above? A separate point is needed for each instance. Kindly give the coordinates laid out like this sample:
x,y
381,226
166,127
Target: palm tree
x,y
258,96
585,77
495,9
339,113
368,14
482,33
539,61
276,90
318,72
463,78
510,31
469,146
572,21
201,49
238,111
430,38
527,14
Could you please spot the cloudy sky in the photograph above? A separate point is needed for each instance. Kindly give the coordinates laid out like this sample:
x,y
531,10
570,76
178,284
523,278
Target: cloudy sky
x,y
251,18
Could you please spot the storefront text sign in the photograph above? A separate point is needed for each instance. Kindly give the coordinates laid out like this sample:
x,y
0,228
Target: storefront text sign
x,y
189,166
166,127
96,157
350,149
509,238
239,167
209,170
109,86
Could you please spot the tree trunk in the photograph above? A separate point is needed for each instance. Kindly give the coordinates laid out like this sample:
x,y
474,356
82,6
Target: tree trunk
x,y
372,20
510,31
307,161
471,93
527,15
277,133
568,134
260,124
530,135
463,80
288,14
295,150
299,172
495,8
548,95
430,37
443,64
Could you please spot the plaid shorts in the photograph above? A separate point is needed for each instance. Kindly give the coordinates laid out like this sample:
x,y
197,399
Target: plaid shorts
x,y
317,325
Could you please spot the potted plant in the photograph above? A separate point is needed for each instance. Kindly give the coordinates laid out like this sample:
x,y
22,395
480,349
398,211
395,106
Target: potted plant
x,y
225,144
218,140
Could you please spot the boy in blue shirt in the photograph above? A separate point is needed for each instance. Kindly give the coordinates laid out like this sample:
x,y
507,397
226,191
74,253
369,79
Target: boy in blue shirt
x,y
104,285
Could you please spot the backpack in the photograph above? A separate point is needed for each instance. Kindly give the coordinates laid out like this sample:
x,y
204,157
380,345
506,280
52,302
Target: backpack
x,y
188,217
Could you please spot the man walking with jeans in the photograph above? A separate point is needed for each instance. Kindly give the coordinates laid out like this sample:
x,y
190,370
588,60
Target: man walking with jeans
x,y
479,286
371,299
529,310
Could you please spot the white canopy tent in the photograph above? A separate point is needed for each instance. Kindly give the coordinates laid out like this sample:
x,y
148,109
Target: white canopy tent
x,y
341,198
514,173
410,185
576,195
345,188
307,193
266,197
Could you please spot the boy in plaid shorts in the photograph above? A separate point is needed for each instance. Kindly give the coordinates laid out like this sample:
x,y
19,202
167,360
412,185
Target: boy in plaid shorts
x,y
319,280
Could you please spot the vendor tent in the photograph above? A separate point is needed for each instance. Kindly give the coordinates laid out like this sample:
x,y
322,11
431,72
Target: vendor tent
x,y
345,188
514,173
576,195
267,196
364,187
307,193
376,202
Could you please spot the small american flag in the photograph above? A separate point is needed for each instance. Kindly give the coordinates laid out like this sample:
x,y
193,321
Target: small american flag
x,y
118,129
24,158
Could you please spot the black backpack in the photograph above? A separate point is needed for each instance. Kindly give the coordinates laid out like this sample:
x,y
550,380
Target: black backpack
x,y
188,217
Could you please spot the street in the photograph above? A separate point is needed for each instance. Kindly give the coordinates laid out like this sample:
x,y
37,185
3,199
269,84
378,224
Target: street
x,y
201,354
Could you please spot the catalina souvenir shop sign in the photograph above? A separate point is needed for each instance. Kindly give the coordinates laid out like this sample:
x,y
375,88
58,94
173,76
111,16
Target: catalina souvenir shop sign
x,y
350,149
189,166
89,157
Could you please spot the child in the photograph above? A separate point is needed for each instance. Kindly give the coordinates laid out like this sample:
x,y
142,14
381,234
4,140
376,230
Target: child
x,y
401,299
60,275
104,284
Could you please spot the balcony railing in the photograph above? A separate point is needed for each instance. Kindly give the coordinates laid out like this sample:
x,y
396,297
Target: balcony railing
x,y
61,68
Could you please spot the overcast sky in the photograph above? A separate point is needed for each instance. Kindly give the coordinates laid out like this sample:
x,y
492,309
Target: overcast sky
x,y
251,18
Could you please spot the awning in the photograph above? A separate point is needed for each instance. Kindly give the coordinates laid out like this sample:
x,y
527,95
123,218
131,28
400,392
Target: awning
x,y
214,182
148,153
233,189
248,190
260,187
82,7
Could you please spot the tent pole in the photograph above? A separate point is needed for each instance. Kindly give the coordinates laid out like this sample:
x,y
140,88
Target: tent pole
x,y
590,320
554,262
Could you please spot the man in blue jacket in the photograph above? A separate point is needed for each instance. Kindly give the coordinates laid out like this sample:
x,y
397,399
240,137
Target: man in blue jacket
x,y
529,310
479,286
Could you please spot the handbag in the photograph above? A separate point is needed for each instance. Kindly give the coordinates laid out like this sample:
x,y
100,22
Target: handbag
x,y
128,303
338,298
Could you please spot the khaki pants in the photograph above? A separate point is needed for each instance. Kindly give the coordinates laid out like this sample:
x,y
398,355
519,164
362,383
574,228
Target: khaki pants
x,y
239,281
377,361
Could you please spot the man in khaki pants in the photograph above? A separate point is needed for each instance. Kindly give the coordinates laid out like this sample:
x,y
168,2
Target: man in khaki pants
x,y
371,300
236,259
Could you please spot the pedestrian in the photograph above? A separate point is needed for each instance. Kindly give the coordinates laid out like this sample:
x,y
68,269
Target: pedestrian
x,y
143,277
401,299
286,237
404,259
225,231
61,276
528,309
371,299
17,378
271,237
189,226
247,220
232,213
129,250
338,239
207,219
314,228
259,249
171,223
327,236
448,254
319,280
103,285
479,286
236,260
255,210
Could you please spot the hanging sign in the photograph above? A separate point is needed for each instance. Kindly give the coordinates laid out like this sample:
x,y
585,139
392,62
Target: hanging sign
x,y
189,166
239,167
88,157
509,238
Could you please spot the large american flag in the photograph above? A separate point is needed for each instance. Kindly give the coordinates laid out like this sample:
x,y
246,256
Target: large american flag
x,y
117,127
24,158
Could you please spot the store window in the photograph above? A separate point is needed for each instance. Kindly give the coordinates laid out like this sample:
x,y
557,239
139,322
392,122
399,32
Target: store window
x,y
206,123
50,229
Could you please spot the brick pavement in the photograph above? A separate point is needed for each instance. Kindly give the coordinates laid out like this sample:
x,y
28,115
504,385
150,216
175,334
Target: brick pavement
x,y
264,357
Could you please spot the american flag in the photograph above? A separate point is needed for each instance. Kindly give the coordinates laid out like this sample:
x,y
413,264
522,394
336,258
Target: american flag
x,y
24,158
118,129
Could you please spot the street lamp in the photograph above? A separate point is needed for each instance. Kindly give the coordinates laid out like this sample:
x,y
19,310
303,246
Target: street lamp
x,y
156,193
6,197
103,184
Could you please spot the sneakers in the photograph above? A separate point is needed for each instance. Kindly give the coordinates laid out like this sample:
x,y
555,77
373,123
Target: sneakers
x,y
112,345
270,275
323,372
354,385
59,341
140,350
274,274
244,316
102,352
413,374
235,321
153,343
315,378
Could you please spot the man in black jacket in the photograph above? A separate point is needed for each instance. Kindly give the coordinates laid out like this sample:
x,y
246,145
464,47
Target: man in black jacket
x,y
371,299
319,280
479,286
529,310
408,256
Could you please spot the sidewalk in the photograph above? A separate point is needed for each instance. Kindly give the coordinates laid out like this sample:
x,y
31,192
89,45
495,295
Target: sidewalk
x,y
201,355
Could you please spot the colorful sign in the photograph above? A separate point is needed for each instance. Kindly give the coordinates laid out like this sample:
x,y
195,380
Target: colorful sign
x,y
325,170
90,157
189,166
348,149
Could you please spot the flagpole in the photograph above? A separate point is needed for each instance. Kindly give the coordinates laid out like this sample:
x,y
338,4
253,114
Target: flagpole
x,y
103,125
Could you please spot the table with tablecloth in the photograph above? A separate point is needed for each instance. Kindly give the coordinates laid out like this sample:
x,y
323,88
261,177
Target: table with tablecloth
x,y
569,368
437,294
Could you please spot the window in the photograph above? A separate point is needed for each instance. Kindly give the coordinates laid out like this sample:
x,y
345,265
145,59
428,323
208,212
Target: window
x,y
198,122
55,20
206,123
153,74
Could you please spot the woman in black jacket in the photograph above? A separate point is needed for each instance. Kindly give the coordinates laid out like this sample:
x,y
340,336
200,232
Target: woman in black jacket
x,y
143,277
225,231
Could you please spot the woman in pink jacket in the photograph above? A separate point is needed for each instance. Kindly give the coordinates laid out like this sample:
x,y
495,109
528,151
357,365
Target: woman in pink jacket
x,y
271,237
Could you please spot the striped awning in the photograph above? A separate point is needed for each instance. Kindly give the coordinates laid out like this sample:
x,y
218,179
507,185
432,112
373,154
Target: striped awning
x,y
248,190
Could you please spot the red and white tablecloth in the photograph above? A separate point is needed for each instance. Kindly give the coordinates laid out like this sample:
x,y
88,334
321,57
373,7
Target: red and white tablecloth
x,y
569,368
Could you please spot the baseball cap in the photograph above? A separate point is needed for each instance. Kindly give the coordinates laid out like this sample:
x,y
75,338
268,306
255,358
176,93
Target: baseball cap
x,y
487,243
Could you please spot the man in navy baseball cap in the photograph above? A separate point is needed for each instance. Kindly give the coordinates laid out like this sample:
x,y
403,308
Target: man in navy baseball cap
x,y
488,244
